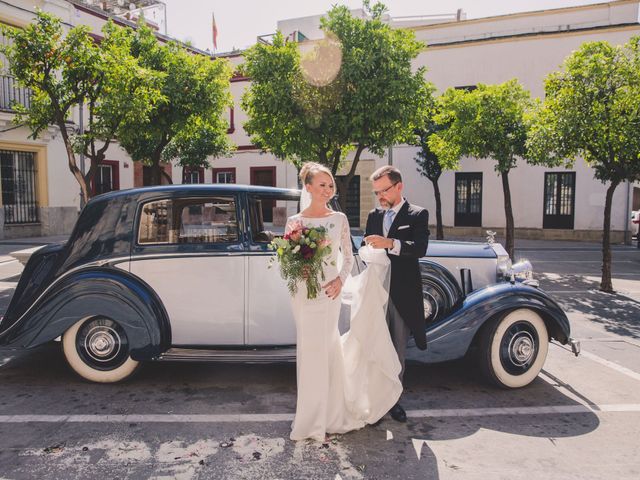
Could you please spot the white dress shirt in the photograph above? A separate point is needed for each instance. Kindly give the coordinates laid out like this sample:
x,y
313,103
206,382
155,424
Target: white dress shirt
x,y
396,243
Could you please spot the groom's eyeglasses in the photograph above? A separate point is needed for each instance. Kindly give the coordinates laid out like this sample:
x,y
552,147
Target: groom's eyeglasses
x,y
377,193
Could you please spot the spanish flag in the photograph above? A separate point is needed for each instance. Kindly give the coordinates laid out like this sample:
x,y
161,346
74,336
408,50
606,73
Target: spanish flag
x,y
214,31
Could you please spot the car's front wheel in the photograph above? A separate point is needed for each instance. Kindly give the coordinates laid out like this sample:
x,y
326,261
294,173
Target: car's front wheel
x,y
97,349
513,348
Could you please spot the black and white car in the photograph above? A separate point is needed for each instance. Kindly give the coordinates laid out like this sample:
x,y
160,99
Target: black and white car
x,y
182,272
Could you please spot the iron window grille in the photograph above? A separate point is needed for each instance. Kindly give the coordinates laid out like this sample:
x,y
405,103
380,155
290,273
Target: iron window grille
x,y
18,179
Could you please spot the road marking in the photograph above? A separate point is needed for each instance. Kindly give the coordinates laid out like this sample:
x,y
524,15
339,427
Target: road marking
x,y
287,417
559,276
618,292
614,366
580,261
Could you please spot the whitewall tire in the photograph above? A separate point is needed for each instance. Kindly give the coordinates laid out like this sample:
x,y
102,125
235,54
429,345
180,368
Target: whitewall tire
x,y
97,349
513,348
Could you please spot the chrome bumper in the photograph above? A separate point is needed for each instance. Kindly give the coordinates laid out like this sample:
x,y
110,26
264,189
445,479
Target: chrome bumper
x,y
575,346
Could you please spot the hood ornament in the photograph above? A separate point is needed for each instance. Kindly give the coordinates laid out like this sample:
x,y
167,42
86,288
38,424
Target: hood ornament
x,y
491,237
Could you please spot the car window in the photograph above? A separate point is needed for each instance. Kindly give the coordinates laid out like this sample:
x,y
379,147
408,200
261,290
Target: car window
x,y
189,220
268,215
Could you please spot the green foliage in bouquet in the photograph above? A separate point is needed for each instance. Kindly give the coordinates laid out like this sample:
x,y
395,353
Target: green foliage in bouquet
x,y
301,253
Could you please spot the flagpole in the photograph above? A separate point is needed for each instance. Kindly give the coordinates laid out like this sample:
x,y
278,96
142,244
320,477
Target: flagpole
x,y
214,32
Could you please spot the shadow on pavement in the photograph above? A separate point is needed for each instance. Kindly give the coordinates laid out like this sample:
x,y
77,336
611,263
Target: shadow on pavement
x,y
616,312
39,381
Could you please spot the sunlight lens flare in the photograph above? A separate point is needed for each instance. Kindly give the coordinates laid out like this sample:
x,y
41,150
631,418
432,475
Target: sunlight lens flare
x,y
320,60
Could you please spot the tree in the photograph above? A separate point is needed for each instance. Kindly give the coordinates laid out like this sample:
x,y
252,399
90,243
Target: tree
x,y
431,167
66,71
188,123
591,110
354,90
488,122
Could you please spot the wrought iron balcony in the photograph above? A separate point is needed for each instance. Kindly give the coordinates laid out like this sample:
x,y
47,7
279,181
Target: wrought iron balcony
x,y
11,93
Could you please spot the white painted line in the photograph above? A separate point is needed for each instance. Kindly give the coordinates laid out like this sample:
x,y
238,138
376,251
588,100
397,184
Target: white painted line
x,y
580,261
620,292
583,274
551,409
286,417
611,365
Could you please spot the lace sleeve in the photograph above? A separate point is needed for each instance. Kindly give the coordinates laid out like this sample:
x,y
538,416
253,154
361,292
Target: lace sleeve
x,y
346,249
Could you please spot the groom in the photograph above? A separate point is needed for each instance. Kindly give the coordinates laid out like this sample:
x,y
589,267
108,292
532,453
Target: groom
x,y
401,229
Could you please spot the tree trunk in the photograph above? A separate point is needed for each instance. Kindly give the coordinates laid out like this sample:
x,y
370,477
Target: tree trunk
x,y
605,283
158,173
439,229
167,177
85,187
508,212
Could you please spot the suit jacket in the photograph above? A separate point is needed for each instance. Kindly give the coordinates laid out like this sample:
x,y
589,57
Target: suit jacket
x,y
410,226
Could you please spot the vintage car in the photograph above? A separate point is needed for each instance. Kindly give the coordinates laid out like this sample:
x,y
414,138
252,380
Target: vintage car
x,y
182,272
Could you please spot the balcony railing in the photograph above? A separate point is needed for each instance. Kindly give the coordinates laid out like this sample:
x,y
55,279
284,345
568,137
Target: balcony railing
x,y
11,93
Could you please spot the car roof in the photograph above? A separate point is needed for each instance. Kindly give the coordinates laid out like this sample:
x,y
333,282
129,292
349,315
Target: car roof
x,y
195,187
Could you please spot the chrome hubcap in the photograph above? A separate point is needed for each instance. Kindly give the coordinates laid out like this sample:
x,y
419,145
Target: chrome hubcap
x,y
430,305
102,343
522,348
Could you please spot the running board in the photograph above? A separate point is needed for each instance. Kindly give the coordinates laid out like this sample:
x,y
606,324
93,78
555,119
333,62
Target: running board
x,y
267,355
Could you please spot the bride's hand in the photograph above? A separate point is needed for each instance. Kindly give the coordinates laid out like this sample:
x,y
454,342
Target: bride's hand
x,y
305,272
333,288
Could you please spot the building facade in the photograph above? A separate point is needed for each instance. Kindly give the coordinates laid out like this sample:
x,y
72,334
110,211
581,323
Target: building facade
x,y
41,197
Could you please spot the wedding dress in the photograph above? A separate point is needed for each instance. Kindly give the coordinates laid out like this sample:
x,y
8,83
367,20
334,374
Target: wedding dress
x,y
344,382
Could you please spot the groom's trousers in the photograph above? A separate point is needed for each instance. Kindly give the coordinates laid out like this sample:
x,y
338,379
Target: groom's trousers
x,y
399,334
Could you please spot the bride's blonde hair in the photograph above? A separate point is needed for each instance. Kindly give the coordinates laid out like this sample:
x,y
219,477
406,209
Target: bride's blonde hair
x,y
310,169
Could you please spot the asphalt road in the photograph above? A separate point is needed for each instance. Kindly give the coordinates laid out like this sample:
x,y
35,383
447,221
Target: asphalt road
x,y
579,419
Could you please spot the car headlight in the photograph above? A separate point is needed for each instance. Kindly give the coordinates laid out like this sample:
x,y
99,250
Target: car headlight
x,y
522,271
503,267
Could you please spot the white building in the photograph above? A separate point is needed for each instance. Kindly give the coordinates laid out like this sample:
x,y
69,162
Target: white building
x,y
461,53
527,46
547,203
39,194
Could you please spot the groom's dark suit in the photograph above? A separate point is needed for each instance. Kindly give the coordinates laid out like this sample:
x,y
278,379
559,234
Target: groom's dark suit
x,y
410,226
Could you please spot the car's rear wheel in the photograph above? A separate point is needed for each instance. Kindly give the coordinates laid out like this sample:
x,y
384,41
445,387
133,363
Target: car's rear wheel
x,y
97,349
436,300
513,348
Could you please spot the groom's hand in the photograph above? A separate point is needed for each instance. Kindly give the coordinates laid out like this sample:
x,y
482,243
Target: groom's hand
x,y
377,241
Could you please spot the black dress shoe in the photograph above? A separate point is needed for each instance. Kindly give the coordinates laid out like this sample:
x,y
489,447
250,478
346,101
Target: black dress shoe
x,y
398,413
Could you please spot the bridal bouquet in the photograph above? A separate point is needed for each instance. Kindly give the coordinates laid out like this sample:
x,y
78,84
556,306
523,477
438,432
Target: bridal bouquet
x,y
301,254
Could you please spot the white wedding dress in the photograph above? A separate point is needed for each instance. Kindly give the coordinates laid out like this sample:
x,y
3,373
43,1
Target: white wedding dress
x,y
348,381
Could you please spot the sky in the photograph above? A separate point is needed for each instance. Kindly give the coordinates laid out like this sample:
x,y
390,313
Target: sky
x,y
239,22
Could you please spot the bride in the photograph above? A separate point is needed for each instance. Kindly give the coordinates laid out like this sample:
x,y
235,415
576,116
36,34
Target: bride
x,y
344,382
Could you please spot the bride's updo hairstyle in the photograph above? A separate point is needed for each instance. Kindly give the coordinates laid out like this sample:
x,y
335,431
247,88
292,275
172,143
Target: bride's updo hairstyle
x,y
310,169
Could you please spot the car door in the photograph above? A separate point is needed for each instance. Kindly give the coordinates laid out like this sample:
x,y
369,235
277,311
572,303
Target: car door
x,y
269,317
190,251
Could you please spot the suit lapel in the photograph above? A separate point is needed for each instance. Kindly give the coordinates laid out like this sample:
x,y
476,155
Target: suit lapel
x,y
378,228
396,220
